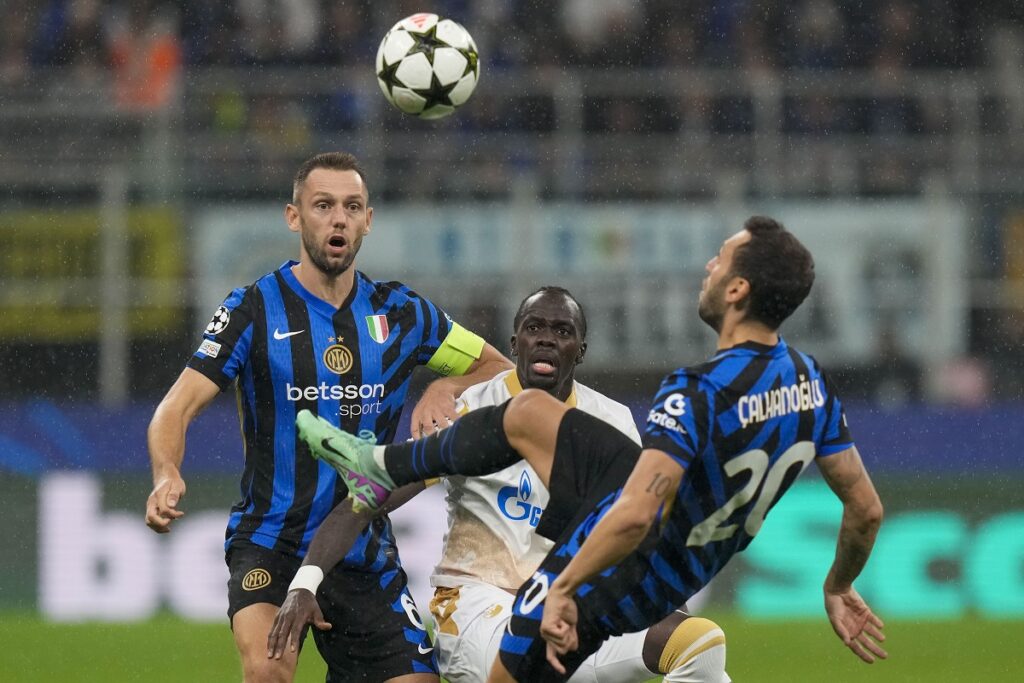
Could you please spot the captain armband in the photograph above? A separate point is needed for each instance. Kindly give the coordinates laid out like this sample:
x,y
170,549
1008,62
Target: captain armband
x,y
457,352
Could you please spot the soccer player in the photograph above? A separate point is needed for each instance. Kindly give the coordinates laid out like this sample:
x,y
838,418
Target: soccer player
x,y
638,531
317,335
491,548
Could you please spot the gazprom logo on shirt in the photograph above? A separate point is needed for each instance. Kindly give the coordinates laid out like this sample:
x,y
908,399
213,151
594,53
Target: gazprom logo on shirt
x,y
513,502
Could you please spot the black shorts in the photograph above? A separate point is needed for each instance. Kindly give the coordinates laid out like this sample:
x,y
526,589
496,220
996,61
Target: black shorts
x,y
592,459
377,631
592,462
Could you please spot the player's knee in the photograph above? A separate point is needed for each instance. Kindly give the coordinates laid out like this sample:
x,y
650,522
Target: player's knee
x,y
527,409
689,642
257,669
256,666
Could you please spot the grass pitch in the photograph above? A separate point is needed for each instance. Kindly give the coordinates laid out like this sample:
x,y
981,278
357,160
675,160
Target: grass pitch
x,y
167,649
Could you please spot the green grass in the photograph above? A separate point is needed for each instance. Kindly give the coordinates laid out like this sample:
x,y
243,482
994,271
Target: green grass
x,y
961,651
164,649
167,649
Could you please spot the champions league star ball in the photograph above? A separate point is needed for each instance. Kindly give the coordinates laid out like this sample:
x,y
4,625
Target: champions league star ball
x,y
427,66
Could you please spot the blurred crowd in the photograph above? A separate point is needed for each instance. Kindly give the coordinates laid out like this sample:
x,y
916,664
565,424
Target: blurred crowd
x,y
816,34
246,134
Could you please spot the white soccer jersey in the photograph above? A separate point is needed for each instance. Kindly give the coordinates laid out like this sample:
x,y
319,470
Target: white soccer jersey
x,y
491,519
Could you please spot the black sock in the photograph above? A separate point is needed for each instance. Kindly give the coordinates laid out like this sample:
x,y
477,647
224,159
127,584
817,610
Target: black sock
x,y
476,444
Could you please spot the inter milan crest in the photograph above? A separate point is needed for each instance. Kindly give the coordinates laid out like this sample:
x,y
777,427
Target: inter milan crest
x,y
338,359
256,579
378,327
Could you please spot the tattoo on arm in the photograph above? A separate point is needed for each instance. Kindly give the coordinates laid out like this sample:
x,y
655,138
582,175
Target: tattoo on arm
x,y
659,485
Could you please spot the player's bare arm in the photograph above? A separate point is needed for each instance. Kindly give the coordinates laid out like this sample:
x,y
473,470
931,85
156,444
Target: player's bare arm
x,y
436,408
187,397
331,542
852,619
653,482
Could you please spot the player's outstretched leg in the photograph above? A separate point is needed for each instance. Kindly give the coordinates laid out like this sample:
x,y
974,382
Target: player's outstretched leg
x,y
475,445
482,441
351,456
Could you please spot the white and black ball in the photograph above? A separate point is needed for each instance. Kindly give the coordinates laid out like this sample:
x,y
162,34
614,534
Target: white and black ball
x,y
427,66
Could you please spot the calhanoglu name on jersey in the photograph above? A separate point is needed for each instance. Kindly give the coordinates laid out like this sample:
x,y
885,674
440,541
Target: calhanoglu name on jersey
x,y
804,395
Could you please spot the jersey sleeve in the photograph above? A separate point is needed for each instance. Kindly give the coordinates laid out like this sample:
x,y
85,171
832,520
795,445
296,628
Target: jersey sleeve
x,y
675,420
434,326
835,435
224,350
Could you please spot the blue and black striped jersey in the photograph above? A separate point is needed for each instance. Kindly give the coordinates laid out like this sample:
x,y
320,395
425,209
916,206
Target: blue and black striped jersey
x,y
744,424
289,351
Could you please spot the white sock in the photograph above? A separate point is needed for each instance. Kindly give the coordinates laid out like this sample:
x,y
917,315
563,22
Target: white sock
x,y
702,655
378,460
705,667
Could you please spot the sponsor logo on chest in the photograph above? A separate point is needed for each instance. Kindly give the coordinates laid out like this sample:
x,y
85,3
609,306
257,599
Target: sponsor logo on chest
x,y
514,501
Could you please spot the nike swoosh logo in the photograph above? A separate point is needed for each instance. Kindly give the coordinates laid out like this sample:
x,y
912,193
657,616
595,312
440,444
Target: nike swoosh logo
x,y
279,335
326,444
423,651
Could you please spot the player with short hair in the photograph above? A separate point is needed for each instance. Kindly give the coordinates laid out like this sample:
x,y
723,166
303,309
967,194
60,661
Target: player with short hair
x,y
317,335
491,549
640,530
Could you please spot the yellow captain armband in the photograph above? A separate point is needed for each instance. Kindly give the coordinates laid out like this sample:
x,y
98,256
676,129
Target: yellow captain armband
x,y
457,352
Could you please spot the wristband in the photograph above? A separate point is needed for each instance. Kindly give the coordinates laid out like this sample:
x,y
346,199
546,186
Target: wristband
x,y
309,577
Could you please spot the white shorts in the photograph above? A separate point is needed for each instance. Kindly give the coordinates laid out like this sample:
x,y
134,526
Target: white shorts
x,y
471,619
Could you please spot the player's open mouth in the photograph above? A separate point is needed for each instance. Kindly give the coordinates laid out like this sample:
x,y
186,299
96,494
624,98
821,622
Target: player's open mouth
x,y
337,243
543,366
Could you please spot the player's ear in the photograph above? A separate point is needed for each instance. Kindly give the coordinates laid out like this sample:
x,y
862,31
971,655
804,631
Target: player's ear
x,y
738,289
512,346
369,220
291,217
583,352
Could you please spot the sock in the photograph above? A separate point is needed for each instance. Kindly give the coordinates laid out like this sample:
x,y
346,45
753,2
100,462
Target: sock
x,y
476,444
695,653
382,471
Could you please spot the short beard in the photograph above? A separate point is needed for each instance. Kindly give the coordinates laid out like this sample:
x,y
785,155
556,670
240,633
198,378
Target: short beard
x,y
319,258
711,308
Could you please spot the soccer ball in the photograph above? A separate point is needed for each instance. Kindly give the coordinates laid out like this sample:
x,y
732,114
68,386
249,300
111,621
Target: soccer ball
x,y
427,66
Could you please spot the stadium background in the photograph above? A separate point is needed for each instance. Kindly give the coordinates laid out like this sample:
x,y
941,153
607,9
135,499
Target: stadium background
x,y
146,150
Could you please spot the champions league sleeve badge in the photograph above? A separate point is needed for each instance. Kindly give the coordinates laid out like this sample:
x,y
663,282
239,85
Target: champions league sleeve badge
x,y
219,321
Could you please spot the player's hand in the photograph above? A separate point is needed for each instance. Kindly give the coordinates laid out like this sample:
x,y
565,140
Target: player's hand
x,y
558,626
855,624
435,410
162,504
300,609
